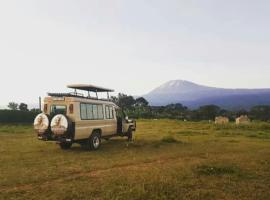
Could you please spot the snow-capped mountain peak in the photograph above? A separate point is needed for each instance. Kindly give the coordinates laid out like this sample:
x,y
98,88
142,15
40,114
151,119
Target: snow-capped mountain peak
x,y
195,95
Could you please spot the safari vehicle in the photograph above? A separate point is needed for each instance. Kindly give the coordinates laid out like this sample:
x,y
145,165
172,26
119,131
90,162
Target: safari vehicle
x,y
78,118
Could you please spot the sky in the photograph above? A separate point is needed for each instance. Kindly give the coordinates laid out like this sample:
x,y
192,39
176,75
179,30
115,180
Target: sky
x,y
131,46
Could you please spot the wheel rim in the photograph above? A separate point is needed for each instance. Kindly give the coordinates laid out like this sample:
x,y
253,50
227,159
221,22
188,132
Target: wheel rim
x,y
96,142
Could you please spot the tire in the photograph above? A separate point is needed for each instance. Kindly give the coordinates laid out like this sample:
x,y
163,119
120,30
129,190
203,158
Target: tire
x,y
94,141
129,134
42,124
65,145
60,124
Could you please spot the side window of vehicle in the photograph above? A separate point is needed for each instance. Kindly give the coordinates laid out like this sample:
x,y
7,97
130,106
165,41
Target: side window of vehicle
x,y
107,112
95,112
90,111
83,111
111,112
100,112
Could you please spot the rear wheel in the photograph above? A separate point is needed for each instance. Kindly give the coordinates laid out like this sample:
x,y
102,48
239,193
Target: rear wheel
x,y
65,145
94,141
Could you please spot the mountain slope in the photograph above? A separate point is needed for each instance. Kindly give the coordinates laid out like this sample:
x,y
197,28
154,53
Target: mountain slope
x,y
194,95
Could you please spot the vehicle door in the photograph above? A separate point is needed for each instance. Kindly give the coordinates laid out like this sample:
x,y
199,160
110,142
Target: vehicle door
x,y
110,120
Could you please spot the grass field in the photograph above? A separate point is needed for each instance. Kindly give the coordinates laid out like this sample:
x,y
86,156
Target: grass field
x,y
168,160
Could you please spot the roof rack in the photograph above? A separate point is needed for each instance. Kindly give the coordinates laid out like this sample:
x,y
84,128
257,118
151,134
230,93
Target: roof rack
x,y
84,87
64,95
89,88
75,95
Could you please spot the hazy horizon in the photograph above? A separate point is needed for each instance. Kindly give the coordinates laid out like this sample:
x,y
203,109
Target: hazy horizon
x,y
131,46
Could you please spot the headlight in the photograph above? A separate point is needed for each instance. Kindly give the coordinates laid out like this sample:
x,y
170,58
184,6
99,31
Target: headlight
x,y
59,124
41,123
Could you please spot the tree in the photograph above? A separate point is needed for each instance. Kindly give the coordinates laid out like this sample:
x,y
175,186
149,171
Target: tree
x,y
142,102
35,110
175,111
208,112
260,112
13,106
241,112
177,106
114,99
23,107
125,101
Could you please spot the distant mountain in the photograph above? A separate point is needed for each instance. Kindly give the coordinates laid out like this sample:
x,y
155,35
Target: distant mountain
x,y
194,95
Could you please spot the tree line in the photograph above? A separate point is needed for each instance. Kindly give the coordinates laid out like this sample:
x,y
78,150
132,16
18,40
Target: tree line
x,y
20,107
18,113
140,108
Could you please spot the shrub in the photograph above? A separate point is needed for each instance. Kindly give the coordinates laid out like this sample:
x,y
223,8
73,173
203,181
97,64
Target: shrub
x,y
17,116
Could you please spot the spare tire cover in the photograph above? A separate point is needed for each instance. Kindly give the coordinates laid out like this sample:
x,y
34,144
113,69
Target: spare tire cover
x,y
59,124
41,123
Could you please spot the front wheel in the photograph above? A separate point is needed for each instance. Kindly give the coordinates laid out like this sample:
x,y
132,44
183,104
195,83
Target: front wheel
x,y
65,145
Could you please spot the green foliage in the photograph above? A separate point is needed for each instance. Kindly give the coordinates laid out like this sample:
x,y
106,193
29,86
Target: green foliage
x,y
141,102
17,116
23,107
208,112
124,101
13,106
139,108
37,110
260,113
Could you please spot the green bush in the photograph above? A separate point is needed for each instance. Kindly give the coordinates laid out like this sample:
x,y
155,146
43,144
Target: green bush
x,y
17,116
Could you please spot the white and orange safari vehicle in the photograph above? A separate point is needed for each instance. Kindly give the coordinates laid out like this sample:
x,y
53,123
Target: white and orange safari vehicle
x,y
78,118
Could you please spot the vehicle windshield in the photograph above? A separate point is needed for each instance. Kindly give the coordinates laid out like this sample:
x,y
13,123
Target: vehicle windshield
x,y
58,109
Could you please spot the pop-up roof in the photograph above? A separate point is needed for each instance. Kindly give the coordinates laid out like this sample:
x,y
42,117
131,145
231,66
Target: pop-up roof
x,y
89,88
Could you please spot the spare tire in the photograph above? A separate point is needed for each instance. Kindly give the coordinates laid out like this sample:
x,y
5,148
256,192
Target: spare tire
x,y
41,123
59,124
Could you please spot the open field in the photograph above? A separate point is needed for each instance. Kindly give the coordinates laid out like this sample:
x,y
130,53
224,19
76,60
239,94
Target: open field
x,y
168,160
